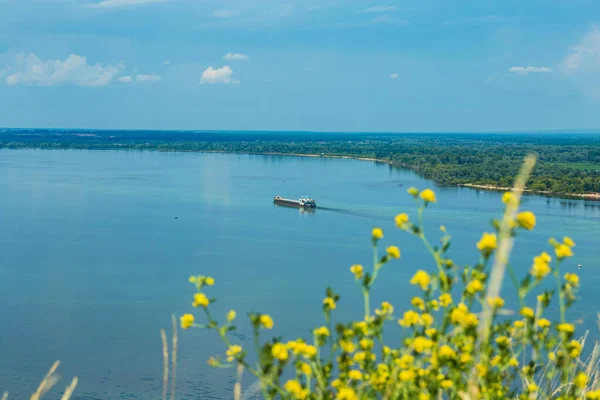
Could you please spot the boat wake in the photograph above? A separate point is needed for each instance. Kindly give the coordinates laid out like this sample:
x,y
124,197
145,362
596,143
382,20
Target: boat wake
x,y
354,213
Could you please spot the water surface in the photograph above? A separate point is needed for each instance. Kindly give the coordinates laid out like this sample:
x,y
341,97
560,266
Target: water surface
x,y
96,248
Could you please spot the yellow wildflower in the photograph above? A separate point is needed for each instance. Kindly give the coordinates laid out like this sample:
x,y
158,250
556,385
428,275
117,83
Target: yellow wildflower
x,y
508,198
413,191
187,320
420,344
573,279
426,320
474,286
565,327
200,299
446,352
357,270
563,251
193,279
418,302
482,370
387,308
445,299
461,315
424,396
294,387
329,303
407,375
322,331
593,395
279,351
430,331
519,324
347,346
495,360
231,315
487,243
212,362
309,351
465,358
428,196
446,384
410,318
355,374
541,267
526,220
422,279
527,312
266,321
543,323
336,383
305,368
502,341
365,344
377,233
568,241
346,394
393,252
532,387
233,351
359,356
581,380
513,362
401,220
496,302
574,348
405,361
362,325
434,305
209,281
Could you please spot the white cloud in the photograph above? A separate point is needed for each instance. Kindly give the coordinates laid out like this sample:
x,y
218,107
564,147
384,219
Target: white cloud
x,y
148,78
585,55
123,3
380,9
125,79
219,75
394,76
224,13
166,62
235,57
386,20
529,70
30,70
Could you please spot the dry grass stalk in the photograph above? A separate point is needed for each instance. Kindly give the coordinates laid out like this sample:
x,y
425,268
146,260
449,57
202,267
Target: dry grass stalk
x,y
165,348
70,389
237,388
505,245
174,356
49,380
5,396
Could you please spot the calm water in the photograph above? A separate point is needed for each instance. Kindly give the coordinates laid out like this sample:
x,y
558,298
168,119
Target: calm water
x,y
94,261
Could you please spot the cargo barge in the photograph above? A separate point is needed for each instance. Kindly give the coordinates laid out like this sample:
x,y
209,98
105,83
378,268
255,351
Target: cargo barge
x,y
302,202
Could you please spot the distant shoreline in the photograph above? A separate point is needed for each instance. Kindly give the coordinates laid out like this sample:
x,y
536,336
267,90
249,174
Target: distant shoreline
x,y
492,188
584,196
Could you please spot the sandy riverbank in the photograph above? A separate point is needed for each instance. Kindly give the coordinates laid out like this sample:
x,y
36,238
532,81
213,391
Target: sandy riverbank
x,y
591,196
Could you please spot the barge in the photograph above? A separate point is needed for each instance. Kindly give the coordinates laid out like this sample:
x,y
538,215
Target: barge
x,y
302,202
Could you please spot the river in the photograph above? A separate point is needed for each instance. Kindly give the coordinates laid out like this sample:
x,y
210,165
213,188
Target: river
x,y
97,247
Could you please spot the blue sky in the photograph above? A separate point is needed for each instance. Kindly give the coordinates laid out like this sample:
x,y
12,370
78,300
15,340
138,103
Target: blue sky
x,y
326,65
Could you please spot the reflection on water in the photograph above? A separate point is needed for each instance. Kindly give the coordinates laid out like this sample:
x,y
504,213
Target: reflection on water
x,y
301,210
